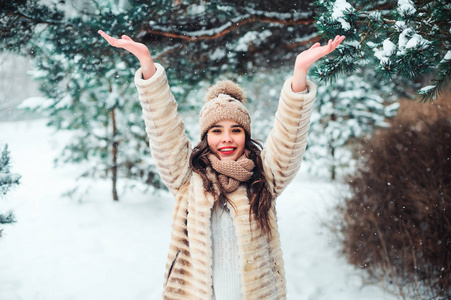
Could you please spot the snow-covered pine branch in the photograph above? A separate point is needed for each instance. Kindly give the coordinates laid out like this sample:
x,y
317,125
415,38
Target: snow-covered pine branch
x,y
218,31
402,40
7,179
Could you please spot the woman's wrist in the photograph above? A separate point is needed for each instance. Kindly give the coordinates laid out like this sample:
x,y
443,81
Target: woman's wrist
x,y
148,67
299,80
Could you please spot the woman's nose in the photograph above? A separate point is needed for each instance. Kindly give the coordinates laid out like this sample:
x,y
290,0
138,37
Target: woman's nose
x,y
226,138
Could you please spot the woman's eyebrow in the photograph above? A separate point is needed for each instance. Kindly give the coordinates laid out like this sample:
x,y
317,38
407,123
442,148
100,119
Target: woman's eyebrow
x,y
233,126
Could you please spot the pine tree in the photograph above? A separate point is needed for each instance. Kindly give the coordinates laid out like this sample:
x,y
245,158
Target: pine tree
x,y
198,40
7,181
18,22
399,39
345,111
100,108
89,84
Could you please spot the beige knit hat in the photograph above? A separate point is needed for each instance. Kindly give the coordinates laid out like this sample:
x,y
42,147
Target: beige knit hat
x,y
224,101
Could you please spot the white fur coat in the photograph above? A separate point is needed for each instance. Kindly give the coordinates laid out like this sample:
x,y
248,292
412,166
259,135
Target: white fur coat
x,y
188,269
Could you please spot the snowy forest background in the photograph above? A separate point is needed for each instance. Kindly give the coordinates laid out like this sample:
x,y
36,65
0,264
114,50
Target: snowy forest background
x,y
76,142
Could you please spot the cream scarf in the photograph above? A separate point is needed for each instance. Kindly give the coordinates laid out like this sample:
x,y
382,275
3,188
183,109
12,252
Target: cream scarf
x,y
232,172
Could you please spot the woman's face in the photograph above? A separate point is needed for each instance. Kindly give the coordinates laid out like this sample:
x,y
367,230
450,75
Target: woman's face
x,y
226,139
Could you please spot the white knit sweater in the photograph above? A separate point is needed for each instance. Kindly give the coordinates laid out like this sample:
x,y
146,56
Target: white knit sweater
x,y
225,252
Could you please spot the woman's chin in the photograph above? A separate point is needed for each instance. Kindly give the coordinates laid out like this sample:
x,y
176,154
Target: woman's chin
x,y
229,157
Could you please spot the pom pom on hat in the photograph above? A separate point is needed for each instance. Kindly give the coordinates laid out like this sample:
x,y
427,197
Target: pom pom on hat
x,y
226,87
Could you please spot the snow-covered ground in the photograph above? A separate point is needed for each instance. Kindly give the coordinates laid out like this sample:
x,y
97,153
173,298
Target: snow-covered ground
x,y
65,249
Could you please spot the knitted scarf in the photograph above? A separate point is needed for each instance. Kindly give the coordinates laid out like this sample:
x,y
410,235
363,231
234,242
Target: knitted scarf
x,y
232,172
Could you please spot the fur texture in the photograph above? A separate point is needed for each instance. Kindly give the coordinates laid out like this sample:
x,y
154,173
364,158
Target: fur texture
x,y
189,265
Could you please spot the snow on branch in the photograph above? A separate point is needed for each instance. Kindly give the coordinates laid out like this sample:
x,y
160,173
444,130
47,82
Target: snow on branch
x,y
406,8
36,103
39,20
341,7
306,40
214,33
279,15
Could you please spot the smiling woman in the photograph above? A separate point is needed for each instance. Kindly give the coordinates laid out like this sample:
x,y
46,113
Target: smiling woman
x,y
225,242
226,140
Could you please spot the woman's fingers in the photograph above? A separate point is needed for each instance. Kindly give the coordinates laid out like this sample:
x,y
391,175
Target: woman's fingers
x,y
338,39
332,44
315,45
112,41
123,42
306,58
126,37
104,35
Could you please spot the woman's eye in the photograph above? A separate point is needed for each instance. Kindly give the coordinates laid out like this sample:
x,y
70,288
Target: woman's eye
x,y
216,131
238,130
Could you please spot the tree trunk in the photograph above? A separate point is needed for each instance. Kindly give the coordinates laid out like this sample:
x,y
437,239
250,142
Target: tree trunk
x,y
114,150
332,168
333,117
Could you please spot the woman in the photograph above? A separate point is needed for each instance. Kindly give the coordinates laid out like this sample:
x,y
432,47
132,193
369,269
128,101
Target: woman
x,y
225,241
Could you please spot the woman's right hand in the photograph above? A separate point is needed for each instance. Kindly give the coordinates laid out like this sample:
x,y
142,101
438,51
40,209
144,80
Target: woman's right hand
x,y
137,49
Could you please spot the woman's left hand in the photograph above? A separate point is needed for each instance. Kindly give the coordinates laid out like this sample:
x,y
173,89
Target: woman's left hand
x,y
306,58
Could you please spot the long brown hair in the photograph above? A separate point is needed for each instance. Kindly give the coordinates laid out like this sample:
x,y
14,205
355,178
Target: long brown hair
x,y
257,187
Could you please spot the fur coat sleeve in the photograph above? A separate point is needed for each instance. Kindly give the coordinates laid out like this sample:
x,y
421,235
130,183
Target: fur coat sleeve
x,y
170,146
286,144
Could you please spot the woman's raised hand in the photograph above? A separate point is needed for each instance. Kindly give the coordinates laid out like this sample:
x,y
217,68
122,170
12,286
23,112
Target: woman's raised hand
x,y
138,49
306,58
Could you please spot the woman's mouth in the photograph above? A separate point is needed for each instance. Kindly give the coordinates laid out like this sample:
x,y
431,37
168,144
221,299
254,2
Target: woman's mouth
x,y
227,150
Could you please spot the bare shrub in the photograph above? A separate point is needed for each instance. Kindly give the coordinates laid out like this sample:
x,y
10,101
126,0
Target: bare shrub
x,y
397,219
